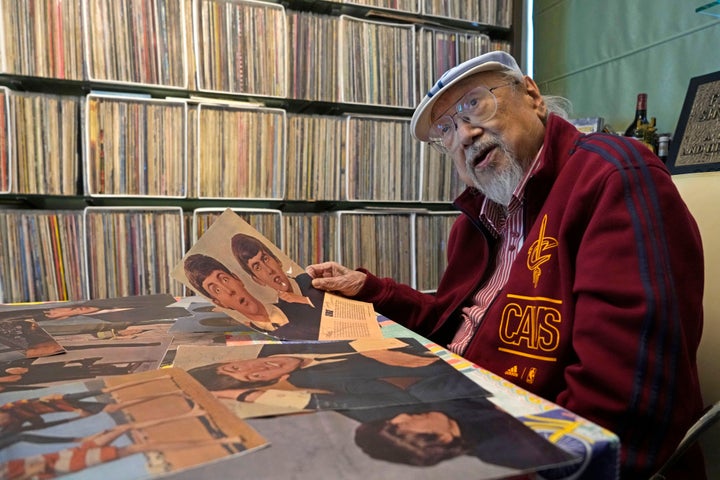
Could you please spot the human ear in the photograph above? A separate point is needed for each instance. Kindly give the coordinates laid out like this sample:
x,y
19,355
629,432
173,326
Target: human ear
x,y
533,92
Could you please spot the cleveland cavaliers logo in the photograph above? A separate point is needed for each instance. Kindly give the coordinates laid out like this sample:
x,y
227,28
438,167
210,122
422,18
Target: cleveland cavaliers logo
x,y
538,252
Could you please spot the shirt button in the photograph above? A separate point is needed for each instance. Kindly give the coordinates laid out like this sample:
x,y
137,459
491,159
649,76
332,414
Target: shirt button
x,y
511,248
514,234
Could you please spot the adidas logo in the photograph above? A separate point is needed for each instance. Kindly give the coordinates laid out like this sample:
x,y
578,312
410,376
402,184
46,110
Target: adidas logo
x,y
512,372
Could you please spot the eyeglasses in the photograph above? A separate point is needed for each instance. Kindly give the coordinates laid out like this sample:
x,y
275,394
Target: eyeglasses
x,y
475,107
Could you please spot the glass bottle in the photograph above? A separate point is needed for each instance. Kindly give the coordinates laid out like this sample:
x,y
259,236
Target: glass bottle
x,y
640,115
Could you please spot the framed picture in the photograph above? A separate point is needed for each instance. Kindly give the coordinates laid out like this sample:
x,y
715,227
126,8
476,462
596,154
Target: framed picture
x,y
696,144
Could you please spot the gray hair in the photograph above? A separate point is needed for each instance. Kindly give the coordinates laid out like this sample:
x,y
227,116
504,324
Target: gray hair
x,y
556,104
560,106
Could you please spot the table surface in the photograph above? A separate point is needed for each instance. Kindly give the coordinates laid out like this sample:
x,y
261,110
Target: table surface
x,y
599,447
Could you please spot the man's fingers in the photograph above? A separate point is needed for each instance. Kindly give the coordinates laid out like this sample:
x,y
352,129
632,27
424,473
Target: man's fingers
x,y
323,284
333,277
326,269
318,270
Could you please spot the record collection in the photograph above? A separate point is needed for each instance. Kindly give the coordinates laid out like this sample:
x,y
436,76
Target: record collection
x,y
380,240
191,103
136,41
131,251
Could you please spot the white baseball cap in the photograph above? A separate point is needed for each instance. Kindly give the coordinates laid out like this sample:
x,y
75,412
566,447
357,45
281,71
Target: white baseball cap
x,y
487,62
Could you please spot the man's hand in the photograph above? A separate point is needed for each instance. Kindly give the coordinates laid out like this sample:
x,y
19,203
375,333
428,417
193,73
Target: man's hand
x,y
333,277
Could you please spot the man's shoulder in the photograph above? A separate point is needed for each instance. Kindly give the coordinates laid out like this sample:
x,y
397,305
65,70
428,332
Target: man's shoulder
x,y
617,151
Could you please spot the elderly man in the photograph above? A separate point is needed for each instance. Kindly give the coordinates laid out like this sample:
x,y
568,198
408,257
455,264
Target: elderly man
x,y
575,271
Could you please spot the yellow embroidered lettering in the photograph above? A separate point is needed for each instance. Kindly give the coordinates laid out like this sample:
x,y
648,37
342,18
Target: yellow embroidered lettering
x,y
549,336
511,317
529,327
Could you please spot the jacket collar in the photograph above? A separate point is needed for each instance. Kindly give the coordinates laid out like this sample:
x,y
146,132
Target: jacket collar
x,y
558,144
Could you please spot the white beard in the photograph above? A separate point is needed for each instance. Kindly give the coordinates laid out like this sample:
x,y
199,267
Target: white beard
x,y
497,182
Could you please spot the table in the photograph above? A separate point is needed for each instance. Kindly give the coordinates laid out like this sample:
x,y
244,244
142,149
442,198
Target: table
x,y
599,447
292,443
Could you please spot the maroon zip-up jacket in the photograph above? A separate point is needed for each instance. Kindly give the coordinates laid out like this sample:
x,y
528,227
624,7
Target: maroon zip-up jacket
x,y
602,313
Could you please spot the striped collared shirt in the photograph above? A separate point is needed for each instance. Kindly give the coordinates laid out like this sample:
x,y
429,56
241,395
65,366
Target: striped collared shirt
x,y
507,226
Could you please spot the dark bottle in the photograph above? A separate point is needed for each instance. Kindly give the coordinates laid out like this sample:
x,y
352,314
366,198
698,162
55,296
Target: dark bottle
x,y
640,115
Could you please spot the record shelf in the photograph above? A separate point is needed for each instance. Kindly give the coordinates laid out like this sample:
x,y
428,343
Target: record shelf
x,y
126,126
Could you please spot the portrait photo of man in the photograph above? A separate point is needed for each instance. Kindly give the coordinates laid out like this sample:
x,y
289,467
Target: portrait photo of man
x,y
328,375
212,279
247,277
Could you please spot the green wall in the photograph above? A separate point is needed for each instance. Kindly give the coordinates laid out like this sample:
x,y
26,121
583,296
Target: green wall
x,y
600,53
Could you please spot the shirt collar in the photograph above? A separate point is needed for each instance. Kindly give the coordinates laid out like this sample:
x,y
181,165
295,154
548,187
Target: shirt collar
x,y
493,215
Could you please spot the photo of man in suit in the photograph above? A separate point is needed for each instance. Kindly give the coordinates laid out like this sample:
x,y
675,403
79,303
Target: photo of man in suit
x,y
99,315
333,375
431,433
296,295
214,280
